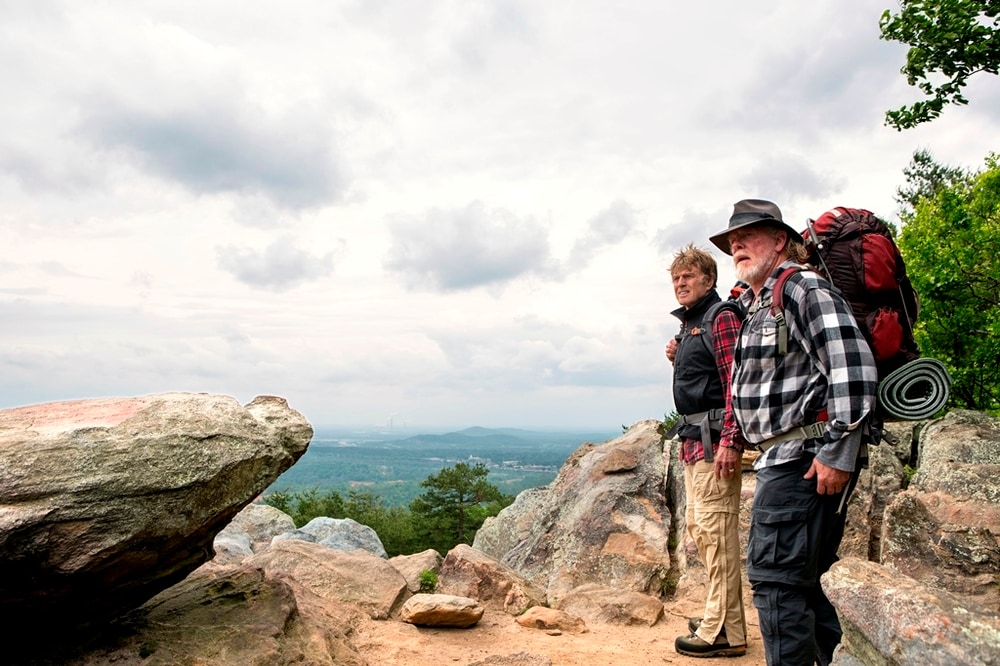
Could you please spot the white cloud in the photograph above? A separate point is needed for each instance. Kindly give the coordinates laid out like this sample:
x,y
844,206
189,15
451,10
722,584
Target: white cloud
x,y
279,267
466,248
459,212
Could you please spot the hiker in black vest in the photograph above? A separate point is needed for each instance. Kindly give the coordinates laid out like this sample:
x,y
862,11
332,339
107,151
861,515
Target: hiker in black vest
x,y
803,389
702,357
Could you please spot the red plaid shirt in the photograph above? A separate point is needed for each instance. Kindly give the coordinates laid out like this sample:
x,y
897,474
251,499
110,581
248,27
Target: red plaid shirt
x,y
725,332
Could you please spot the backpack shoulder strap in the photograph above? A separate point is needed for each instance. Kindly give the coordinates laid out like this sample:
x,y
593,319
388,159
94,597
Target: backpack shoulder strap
x,y
778,307
713,312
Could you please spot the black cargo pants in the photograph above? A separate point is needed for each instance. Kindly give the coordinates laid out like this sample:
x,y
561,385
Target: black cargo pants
x,y
794,536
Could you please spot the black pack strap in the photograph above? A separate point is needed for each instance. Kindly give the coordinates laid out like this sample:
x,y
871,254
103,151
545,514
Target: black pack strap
x,y
705,421
811,431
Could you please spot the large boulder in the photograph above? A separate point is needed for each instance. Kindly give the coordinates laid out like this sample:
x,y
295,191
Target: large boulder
x,y
603,520
944,529
467,572
342,534
354,577
104,503
889,618
226,616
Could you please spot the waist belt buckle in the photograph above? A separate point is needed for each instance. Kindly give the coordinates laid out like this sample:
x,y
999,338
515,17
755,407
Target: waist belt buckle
x,y
814,430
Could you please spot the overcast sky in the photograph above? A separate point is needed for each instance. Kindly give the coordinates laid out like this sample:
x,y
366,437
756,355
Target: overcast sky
x,y
433,213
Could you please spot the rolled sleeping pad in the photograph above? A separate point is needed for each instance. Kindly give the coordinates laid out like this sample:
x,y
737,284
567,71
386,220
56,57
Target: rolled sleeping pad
x,y
915,391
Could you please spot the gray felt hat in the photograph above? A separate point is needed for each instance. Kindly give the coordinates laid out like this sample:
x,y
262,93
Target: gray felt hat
x,y
749,212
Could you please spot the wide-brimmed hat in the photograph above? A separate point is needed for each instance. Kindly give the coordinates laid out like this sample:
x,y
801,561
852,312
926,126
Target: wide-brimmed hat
x,y
749,212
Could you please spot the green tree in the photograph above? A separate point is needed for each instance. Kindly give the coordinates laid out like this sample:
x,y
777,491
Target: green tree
x,y
925,177
394,525
456,503
953,39
951,245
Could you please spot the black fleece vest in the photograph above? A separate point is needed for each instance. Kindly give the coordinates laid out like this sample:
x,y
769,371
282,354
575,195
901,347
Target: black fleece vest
x,y
697,387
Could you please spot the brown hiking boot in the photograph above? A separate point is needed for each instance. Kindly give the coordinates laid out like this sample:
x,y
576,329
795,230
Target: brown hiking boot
x,y
695,622
693,646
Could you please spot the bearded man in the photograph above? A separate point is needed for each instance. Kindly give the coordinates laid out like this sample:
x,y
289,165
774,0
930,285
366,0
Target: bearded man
x,y
803,387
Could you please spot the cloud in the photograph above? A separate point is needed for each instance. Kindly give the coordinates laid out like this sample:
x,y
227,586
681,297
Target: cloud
x,y
694,226
216,146
785,177
609,227
280,267
465,248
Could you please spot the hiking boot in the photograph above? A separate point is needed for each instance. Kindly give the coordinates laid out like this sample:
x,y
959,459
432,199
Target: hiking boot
x,y
695,622
693,646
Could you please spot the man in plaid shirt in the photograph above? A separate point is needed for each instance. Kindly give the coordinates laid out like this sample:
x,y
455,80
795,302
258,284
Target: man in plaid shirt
x,y
703,355
802,393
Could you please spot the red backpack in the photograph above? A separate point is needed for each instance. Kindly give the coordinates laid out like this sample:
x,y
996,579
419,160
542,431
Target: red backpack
x,y
855,251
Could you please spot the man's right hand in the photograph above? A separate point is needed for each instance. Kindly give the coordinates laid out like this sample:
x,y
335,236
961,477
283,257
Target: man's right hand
x,y
672,349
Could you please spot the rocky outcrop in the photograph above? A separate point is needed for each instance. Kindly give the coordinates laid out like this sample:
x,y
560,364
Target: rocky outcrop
x,y
944,529
357,577
108,502
889,618
412,566
595,546
924,587
598,604
219,615
468,572
604,520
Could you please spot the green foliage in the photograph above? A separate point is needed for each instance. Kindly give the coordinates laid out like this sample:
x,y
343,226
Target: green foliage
x,y
953,39
924,179
393,525
951,245
456,502
668,422
428,581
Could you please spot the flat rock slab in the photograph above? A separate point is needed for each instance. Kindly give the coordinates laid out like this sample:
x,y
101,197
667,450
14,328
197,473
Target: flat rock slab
x,y
104,503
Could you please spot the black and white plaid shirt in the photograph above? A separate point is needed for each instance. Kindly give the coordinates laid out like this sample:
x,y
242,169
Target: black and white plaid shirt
x,y
828,367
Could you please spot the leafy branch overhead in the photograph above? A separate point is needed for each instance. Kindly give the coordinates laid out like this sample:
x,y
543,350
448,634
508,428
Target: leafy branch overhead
x,y
950,39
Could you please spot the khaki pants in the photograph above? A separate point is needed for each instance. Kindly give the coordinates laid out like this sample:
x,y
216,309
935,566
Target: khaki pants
x,y
712,514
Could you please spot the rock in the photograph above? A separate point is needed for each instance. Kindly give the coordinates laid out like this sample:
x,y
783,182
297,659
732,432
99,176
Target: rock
x,y
551,619
294,535
877,485
515,659
598,604
467,572
595,603
411,566
441,610
604,519
261,523
108,502
901,438
944,529
219,615
232,546
354,577
344,534
889,618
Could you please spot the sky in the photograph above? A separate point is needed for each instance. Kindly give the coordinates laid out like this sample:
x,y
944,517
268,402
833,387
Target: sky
x,y
420,213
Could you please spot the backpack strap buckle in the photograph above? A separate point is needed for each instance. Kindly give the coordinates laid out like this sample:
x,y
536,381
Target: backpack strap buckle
x,y
811,431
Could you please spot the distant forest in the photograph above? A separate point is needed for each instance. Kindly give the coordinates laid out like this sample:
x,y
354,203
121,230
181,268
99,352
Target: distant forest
x,y
392,468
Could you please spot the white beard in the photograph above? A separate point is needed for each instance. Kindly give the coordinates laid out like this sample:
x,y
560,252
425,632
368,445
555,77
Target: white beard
x,y
756,272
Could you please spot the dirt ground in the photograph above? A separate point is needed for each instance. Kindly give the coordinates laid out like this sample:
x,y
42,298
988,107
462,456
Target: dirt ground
x,y
396,643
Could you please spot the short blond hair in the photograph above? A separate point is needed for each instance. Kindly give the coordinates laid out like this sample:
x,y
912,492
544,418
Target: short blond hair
x,y
695,257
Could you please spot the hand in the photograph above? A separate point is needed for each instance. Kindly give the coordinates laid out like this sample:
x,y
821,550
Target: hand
x,y
727,463
829,480
672,349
